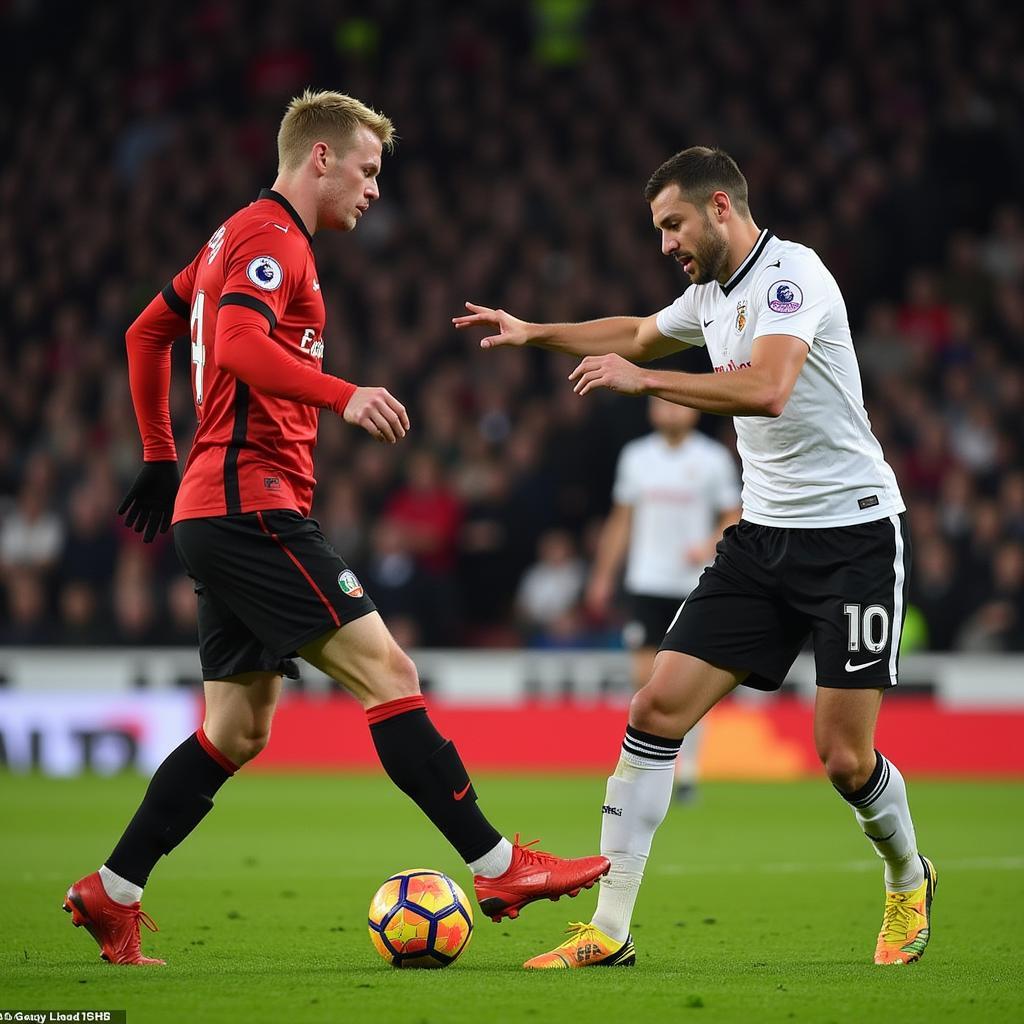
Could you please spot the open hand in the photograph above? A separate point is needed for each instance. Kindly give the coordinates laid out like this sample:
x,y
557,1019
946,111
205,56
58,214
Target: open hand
x,y
511,330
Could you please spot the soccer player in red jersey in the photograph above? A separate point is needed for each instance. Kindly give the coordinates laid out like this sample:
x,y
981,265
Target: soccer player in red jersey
x,y
269,586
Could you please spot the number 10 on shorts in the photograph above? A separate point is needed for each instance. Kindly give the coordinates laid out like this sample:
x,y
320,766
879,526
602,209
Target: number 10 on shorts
x,y
868,626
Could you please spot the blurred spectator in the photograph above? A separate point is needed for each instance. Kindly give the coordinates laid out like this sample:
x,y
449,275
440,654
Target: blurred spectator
x,y
182,624
924,318
998,623
938,593
417,607
26,621
428,512
135,614
548,600
31,534
90,544
341,519
82,622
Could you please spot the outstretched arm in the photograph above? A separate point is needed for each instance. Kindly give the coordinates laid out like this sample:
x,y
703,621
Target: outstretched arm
x,y
761,389
633,337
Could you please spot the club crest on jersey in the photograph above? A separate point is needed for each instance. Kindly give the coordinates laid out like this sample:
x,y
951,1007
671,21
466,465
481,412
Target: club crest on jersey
x,y
350,585
785,297
741,316
265,273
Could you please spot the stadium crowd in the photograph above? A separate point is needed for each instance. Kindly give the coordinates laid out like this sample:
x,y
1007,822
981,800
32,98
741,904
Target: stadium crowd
x,y
527,132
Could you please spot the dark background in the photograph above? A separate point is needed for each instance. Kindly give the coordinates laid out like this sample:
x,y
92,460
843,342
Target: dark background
x,y
886,135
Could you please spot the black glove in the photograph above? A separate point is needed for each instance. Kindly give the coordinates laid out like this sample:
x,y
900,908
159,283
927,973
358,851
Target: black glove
x,y
150,502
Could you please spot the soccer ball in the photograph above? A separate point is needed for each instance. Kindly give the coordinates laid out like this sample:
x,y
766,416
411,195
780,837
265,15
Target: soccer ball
x,y
420,918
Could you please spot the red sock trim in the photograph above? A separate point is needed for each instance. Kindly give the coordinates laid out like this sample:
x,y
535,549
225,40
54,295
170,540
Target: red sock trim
x,y
396,707
204,741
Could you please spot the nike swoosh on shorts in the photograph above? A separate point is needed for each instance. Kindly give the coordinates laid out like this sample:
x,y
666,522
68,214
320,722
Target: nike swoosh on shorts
x,y
857,668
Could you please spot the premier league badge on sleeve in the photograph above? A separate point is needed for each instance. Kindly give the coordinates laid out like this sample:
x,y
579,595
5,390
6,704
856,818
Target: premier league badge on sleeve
x,y
265,273
785,297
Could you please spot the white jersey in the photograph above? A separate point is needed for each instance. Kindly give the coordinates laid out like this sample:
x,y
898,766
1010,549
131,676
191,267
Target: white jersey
x,y
676,494
818,464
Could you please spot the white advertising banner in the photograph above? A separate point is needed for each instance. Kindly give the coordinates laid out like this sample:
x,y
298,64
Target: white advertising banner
x,y
68,733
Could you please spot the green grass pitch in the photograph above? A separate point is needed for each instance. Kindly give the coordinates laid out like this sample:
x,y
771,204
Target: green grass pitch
x,y
761,904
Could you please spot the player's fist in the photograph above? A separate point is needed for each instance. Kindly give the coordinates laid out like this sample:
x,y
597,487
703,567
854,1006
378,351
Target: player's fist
x,y
382,416
149,504
511,330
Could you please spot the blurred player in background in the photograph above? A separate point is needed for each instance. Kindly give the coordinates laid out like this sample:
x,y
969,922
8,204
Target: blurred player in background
x,y
269,585
821,551
675,491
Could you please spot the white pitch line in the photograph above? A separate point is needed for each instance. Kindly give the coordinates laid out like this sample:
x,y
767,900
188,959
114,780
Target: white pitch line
x,y
826,867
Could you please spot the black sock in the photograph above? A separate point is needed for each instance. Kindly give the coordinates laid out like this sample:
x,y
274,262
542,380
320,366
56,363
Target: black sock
x,y
179,796
427,767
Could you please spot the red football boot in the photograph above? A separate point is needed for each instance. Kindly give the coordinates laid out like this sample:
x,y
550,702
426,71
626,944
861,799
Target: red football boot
x,y
535,875
114,926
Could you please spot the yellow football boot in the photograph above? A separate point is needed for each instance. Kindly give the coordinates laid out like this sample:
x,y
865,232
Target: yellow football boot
x,y
586,947
906,923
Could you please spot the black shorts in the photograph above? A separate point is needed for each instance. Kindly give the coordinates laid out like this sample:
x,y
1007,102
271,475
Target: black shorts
x,y
267,583
649,617
769,589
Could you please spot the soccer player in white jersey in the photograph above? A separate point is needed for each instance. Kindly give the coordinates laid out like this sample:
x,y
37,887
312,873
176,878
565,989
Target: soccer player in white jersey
x,y
821,550
675,491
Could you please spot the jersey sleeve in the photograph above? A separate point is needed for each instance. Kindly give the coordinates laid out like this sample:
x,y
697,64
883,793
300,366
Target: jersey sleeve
x,y
243,348
625,490
795,301
681,320
262,270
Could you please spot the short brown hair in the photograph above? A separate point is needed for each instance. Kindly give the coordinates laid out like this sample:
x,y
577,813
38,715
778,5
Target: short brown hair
x,y
325,117
700,172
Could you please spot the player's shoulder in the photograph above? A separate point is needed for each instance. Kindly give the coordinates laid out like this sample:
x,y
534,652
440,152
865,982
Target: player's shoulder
x,y
264,221
783,256
792,266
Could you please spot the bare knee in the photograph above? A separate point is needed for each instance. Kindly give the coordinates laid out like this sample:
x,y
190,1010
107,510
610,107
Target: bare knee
x,y
250,744
847,767
397,678
238,745
652,711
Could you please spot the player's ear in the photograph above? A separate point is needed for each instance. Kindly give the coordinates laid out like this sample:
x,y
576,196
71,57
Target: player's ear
x,y
319,155
721,205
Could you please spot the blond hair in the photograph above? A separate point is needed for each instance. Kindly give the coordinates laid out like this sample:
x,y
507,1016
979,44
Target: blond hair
x,y
330,117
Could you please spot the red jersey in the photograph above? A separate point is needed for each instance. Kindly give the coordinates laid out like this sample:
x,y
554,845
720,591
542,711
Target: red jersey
x,y
251,450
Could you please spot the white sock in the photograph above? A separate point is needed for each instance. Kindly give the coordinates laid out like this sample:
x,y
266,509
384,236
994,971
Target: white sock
x,y
635,804
119,889
495,862
882,811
